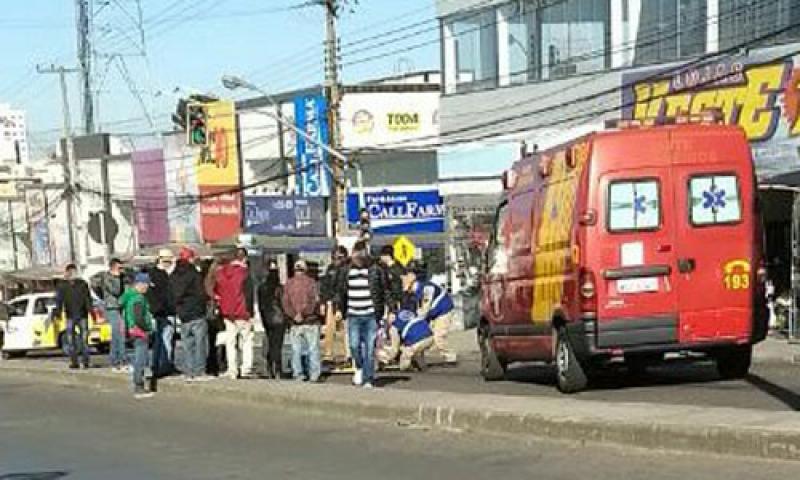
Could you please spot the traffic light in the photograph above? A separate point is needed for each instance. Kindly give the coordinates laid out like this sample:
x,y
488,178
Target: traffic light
x,y
197,125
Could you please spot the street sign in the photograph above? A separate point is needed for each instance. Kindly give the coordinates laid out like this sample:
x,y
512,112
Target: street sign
x,y
404,250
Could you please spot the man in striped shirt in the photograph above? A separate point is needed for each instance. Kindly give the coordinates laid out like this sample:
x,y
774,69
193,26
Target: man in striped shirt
x,y
362,297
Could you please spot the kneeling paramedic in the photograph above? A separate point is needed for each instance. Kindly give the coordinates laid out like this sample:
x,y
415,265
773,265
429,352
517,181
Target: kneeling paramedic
x,y
435,305
410,336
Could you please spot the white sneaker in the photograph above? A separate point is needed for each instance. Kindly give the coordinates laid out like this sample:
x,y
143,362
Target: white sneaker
x,y
369,386
358,377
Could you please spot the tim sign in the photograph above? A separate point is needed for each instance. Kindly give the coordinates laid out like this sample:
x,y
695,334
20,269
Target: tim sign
x,y
313,178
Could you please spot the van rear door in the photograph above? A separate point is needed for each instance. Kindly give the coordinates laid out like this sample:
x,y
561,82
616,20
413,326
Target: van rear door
x,y
715,241
637,302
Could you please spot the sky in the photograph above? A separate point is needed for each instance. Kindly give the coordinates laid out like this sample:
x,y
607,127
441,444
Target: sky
x,y
190,44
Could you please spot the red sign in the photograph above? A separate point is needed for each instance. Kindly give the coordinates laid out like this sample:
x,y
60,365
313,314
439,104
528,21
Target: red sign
x,y
220,213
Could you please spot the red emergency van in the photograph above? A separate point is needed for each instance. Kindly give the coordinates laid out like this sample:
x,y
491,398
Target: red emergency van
x,y
625,245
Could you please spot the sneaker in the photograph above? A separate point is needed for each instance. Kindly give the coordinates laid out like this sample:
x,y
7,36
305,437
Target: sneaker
x,y
74,366
358,377
229,376
142,395
369,386
189,379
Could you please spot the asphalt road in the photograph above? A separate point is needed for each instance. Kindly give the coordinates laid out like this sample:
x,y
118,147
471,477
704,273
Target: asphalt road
x,y
770,386
50,432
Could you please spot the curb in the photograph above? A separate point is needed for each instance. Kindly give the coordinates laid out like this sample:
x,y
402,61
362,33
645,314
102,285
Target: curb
x,y
766,438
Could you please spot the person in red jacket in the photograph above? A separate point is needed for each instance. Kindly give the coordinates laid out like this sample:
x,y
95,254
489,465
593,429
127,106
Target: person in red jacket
x,y
234,293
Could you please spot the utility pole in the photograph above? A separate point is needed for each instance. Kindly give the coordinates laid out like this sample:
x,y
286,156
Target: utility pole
x,y
13,230
68,155
333,95
108,244
83,22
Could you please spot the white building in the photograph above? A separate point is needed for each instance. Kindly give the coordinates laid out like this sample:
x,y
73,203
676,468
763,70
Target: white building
x,y
13,134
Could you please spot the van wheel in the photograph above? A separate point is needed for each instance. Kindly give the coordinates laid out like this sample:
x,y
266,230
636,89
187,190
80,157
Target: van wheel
x,y
570,376
492,368
734,362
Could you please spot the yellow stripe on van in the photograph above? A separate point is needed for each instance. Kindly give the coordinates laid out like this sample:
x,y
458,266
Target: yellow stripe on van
x,y
552,249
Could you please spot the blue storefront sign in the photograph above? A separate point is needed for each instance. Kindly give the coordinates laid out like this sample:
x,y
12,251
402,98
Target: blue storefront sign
x,y
398,211
285,215
313,176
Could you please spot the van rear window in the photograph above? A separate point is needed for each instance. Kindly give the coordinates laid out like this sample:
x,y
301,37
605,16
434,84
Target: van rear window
x,y
634,205
714,199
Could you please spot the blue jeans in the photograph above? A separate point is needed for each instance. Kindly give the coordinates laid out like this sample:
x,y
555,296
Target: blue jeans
x,y
117,356
194,336
362,332
305,335
162,347
139,362
79,341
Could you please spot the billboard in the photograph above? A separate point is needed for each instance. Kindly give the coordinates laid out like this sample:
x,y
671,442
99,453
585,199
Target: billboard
x,y
150,196
763,98
313,176
220,212
218,171
285,215
181,176
400,210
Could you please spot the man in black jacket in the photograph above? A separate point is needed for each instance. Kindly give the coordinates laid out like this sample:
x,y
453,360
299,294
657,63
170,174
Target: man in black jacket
x,y
190,305
74,301
361,296
162,307
392,278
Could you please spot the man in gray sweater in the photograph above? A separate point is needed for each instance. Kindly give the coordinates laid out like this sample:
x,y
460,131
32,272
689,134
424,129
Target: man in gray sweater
x,y
113,286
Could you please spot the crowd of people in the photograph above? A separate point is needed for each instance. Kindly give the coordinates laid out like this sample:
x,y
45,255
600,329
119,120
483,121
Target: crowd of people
x,y
361,311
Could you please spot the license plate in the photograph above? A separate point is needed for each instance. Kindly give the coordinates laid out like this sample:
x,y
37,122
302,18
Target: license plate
x,y
637,285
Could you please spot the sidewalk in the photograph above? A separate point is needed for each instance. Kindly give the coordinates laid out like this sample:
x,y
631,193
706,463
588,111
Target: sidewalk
x,y
728,431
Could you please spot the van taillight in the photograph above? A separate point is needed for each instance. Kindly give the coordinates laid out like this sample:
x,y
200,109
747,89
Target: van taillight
x,y
588,291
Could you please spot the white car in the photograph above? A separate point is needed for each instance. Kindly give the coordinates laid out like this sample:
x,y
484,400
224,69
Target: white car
x,y
31,326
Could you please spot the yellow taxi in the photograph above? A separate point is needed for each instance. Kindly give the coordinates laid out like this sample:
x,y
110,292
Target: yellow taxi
x,y
30,327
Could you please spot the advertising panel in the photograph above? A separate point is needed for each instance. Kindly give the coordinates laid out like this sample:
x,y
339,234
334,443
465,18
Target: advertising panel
x,y
404,120
762,98
218,164
401,210
285,215
36,206
220,212
181,176
313,177
150,196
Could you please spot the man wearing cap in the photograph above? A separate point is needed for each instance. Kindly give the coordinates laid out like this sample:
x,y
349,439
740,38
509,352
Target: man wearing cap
x,y
301,304
139,323
162,307
190,305
113,285
235,294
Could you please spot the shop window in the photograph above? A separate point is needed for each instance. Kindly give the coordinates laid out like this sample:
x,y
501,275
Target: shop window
x,y
574,37
670,30
474,43
497,261
521,42
743,21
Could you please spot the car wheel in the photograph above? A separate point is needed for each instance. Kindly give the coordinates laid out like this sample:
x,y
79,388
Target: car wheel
x,y
734,362
492,367
570,376
13,354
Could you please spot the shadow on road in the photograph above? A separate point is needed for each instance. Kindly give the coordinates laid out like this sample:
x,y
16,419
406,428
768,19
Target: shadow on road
x,y
387,380
789,398
34,476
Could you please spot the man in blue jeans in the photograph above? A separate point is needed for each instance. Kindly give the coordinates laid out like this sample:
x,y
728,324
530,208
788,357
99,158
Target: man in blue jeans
x,y
361,295
190,304
73,301
301,305
113,285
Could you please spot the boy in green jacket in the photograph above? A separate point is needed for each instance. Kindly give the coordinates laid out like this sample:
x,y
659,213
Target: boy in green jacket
x,y
139,323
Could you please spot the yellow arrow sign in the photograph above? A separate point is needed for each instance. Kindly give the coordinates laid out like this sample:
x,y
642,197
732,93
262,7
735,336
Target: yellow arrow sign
x,y
404,250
